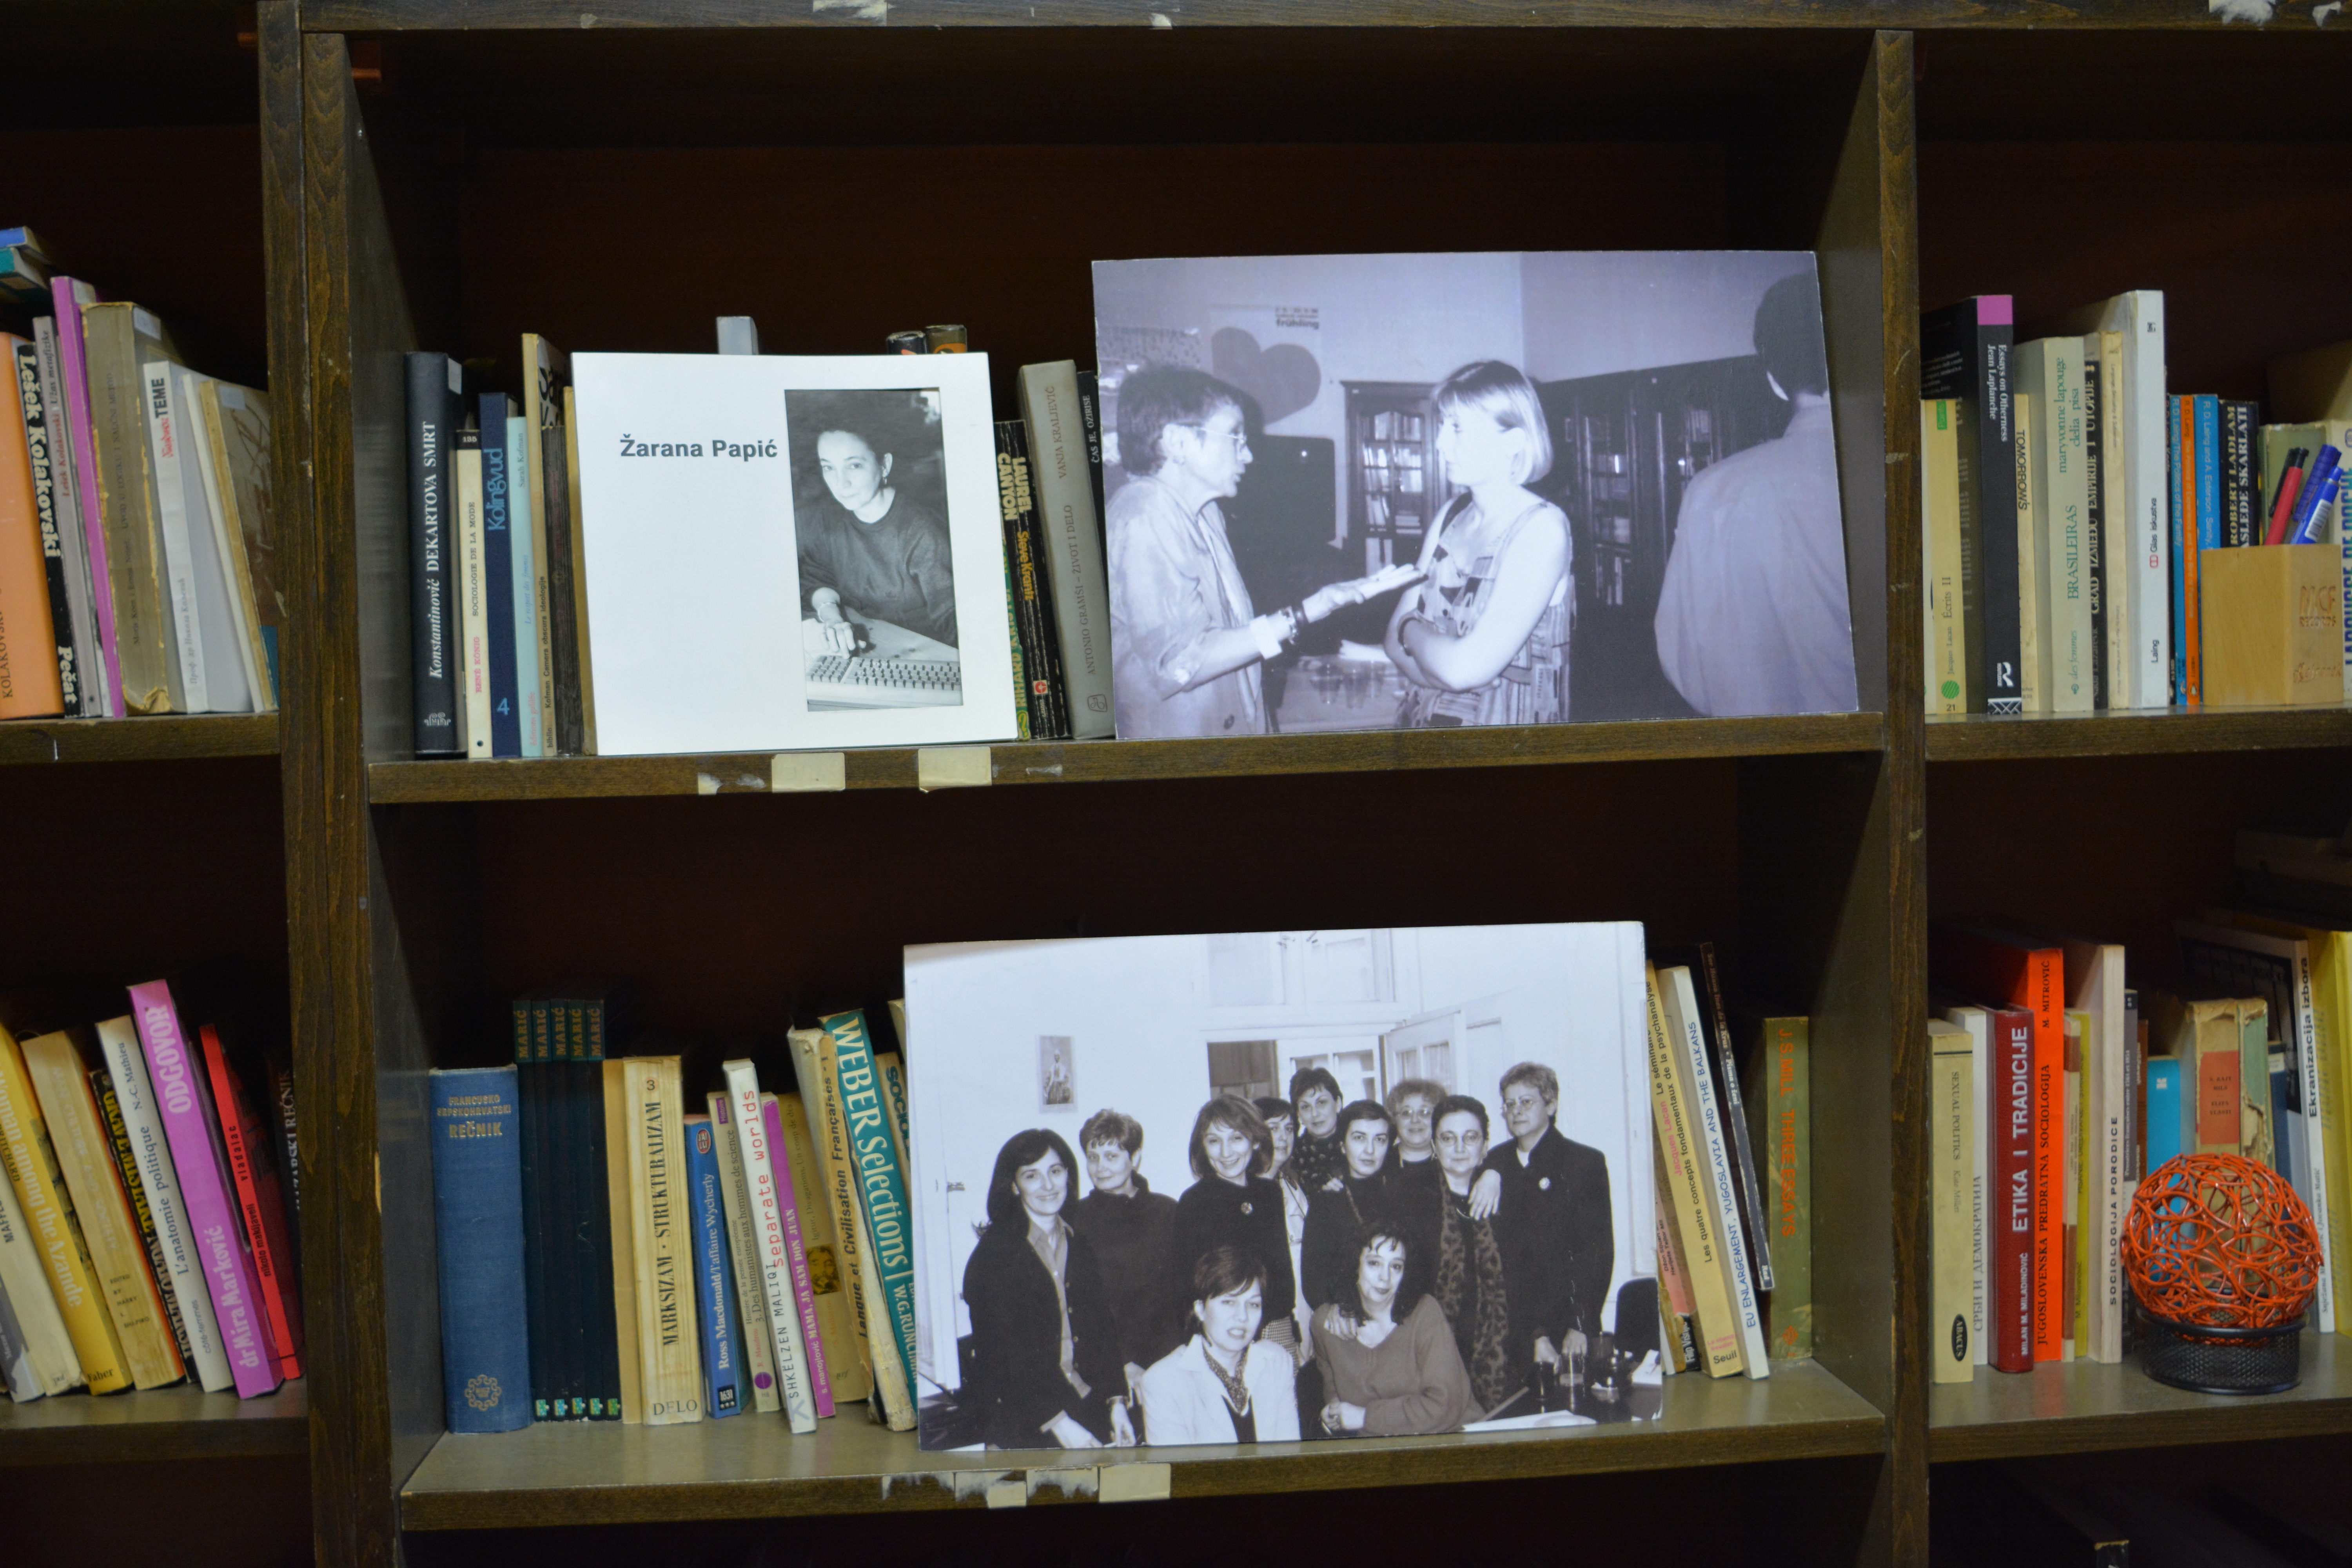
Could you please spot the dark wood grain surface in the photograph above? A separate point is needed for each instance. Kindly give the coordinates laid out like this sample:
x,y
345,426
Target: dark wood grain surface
x,y
154,1425
35,741
1978,737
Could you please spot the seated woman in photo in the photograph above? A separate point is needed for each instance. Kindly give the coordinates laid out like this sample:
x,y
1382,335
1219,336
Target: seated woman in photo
x,y
1224,1384
1389,1367
1462,1259
1045,1347
1485,639
868,548
1339,1210
1233,1204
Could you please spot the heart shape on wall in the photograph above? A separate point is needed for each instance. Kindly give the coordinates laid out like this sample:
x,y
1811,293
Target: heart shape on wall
x,y
1283,379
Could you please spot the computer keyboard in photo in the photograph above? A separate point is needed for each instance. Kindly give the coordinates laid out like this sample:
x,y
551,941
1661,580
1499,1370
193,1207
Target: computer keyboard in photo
x,y
871,682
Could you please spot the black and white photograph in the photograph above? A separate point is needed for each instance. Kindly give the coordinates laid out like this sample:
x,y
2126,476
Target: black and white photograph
x,y
784,553
877,573
1351,493
1311,1184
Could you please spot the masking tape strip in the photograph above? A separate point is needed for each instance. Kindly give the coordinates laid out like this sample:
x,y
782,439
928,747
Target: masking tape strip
x,y
1135,1482
803,773
952,767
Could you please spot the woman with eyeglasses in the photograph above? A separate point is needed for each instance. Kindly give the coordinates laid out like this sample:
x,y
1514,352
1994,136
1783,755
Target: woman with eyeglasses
x,y
1485,639
1186,642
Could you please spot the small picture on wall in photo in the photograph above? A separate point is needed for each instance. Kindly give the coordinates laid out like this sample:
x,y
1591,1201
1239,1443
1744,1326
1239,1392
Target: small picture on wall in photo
x,y
1056,1089
876,569
1313,1184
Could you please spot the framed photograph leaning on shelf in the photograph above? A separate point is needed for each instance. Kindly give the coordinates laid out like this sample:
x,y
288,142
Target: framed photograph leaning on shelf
x,y
787,552
1187,1245
1350,493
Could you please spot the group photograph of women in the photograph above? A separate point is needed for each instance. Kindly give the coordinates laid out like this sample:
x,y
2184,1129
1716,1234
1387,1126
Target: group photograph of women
x,y
1420,1204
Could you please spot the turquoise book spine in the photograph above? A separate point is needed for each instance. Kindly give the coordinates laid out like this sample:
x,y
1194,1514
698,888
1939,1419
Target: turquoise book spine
x,y
881,1181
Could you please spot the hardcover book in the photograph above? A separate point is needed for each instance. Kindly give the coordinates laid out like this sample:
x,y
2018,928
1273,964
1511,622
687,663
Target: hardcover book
x,y
1072,530
69,295
434,383
1964,355
477,1227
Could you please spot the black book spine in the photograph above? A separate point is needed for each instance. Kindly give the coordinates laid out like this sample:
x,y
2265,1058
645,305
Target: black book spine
x,y
594,1220
528,1109
38,447
1090,420
563,611
562,1256
432,604
2096,576
2241,473
1041,655
1734,1107
1961,355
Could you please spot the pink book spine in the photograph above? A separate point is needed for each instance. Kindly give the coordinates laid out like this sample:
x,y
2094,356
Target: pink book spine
x,y
228,1272
73,368
803,1294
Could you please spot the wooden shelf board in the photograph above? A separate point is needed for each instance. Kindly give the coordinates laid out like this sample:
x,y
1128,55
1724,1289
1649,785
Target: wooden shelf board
x,y
139,740
184,1423
1980,737
2081,1407
752,1466
1105,762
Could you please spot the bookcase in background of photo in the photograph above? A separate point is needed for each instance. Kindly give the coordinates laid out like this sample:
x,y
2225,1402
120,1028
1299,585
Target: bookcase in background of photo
x,y
1396,486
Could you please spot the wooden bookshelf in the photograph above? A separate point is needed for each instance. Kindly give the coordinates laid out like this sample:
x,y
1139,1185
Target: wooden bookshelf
x,y
170,737
158,1423
2122,733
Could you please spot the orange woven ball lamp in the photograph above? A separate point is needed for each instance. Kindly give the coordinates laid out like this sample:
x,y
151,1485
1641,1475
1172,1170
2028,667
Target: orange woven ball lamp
x,y
2220,1243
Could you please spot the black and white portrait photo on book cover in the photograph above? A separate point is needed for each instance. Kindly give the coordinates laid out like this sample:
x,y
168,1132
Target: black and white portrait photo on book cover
x,y
784,553
1309,1184
1350,493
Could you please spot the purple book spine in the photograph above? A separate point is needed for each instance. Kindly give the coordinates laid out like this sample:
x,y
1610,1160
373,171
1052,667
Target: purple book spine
x,y
220,1245
73,369
803,1294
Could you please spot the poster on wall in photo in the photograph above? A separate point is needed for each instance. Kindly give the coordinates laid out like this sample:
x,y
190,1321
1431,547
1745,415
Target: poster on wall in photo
x,y
791,553
1253,1217
1353,492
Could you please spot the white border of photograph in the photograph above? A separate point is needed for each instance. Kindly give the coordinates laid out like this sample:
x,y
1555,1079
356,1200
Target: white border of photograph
x,y
692,566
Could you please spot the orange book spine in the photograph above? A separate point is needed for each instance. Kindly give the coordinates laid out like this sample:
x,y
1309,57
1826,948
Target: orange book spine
x,y
2042,991
28,643
261,1232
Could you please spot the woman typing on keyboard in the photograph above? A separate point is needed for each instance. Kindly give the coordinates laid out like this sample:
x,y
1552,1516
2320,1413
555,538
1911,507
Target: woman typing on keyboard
x,y
868,551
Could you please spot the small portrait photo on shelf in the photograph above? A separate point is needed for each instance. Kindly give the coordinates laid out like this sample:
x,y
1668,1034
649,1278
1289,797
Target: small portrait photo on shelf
x,y
876,570
1354,492
779,554
1313,1185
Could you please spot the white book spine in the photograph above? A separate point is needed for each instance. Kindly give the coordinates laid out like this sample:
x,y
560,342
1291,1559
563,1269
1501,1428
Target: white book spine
x,y
25,1277
1072,541
2313,1145
74,544
1718,1161
2140,317
2110,1188
765,1202
521,495
1979,1024
751,1299
164,443
126,1061
474,604
240,623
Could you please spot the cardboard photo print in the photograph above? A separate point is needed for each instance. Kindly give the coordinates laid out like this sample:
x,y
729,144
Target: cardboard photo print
x,y
1252,1218
1351,493
787,552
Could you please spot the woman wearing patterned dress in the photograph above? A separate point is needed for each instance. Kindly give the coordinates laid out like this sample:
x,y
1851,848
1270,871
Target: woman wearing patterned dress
x,y
1485,639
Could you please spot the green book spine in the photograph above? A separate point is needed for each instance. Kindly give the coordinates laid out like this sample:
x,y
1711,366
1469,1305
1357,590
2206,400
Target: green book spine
x,y
1779,1125
881,1183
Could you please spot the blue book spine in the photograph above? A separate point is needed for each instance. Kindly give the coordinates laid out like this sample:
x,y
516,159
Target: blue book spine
x,y
498,559
2163,1109
2208,472
2180,496
526,587
477,1227
722,1370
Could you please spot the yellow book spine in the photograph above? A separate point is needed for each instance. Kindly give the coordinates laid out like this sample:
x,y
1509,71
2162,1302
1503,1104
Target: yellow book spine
x,y
2332,991
836,1305
1719,1329
617,1189
823,1122
831,1132
669,1351
32,1167
1951,1084
117,1254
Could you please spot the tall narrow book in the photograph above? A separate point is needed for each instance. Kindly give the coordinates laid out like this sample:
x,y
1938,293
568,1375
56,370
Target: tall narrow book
x,y
1696,1078
1694,1223
615,1102
32,1166
722,1370
743,1277
1779,1119
435,382
670,1360
1951,1090
118,340
478,1228
881,1183
260,1200
47,1363
1070,530
1949,668
29,686
831,1276
2050,371
769,1263
1964,354
2142,554
829,1130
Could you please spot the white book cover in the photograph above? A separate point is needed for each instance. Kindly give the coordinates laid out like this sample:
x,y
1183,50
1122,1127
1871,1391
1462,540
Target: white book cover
x,y
25,1277
73,546
165,446
1977,1022
1072,541
742,1253
1681,1014
2146,564
2049,371
126,1061
530,712
763,1201
789,553
234,624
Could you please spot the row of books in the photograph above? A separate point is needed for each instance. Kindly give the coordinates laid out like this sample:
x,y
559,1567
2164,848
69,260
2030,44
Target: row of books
x,y
612,1249
145,1234
2056,1085
2073,508
136,545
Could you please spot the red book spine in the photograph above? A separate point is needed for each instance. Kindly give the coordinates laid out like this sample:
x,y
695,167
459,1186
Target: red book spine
x,y
2011,1287
238,1131
2046,998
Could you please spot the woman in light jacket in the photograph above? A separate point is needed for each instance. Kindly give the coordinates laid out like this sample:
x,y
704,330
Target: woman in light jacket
x,y
1224,1384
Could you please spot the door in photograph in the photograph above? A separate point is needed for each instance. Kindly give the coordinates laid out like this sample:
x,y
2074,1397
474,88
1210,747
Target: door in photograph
x,y
1355,1063
1243,1068
1428,1047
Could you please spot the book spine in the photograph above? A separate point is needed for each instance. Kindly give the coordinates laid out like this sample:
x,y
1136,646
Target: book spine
x,y
1677,1316
2142,319
40,451
2186,666
1951,686
1780,1109
433,388
2316,1158
788,1209
2163,1111
669,1371
29,671
2115,511
126,491
2072,1174
218,409
829,1143
23,1275
566,735
722,1389
581,641
623,1272
81,455
1951,1091
474,595
592,1222
767,1262
744,1255
1031,599
2095,526
90,658
2210,518
1733,1107
2032,677
1072,537
1090,418
142,1213
119,1042
165,452
543,383
2012,1288
1723,1195
1995,458
478,1233
2107,1142
893,1095
281,1297
2241,492
1701,1241
881,1183
498,549
565,1286
2044,993
832,1277
2218,1123
1979,1024
1022,726
2069,649
531,1111
531,725
32,1166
